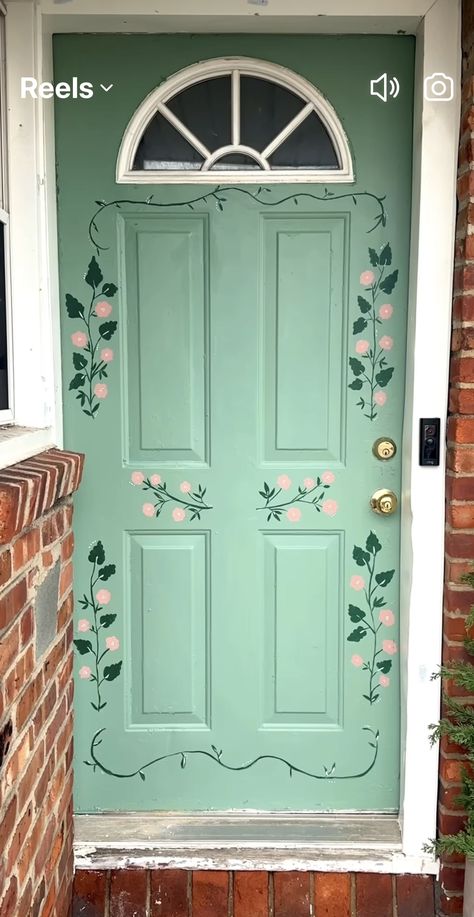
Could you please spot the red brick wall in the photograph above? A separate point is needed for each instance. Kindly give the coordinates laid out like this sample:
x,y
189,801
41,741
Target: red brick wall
x,y
177,893
36,690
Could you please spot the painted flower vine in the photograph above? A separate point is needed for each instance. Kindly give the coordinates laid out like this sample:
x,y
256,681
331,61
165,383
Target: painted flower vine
x,y
370,367
93,603
92,357
373,620
189,500
311,491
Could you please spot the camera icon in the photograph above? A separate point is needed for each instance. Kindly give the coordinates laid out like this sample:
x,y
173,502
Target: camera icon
x,y
439,87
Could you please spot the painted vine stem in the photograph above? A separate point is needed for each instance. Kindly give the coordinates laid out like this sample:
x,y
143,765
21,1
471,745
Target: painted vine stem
x,y
91,367
372,619
370,368
94,602
190,500
217,195
330,773
310,492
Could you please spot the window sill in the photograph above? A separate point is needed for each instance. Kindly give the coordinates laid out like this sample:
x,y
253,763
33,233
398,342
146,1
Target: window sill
x,y
327,843
19,443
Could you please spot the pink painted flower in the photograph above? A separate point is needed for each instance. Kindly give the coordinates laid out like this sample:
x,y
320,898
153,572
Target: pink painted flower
x,y
103,596
79,339
155,479
389,647
357,660
112,643
101,390
330,507
137,477
106,355
380,398
384,681
185,487
357,583
294,514
386,311
362,346
387,617
148,509
309,483
103,309
367,278
284,481
83,625
328,477
85,672
386,343
178,514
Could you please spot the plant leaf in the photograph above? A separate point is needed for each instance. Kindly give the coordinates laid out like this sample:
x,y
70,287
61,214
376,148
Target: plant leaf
x,y
107,620
357,635
385,665
383,579
83,646
364,305
97,553
356,614
109,289
111,672
94,274
107,330
356,365
383,377
74,308
106,572
389,282
79,360
386,255
77,381
359,325
373,544
356,384
374,258
360,556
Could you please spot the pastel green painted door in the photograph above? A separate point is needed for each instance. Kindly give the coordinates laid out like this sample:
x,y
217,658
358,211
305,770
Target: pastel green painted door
x,y
230,357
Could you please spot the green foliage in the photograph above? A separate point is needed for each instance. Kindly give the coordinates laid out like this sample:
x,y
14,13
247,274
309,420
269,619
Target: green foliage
x,y
458,726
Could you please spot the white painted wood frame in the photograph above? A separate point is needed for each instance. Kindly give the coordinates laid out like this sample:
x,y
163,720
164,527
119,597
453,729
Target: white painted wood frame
x,y
32,181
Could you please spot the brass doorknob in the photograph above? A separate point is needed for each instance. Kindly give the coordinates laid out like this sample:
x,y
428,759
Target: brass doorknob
x,y
384,502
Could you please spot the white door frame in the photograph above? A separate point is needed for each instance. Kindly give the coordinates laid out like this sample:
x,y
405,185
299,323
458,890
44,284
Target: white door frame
x,y
30,25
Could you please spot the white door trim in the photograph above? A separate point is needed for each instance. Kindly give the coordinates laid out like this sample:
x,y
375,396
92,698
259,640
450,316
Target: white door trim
x,y
437,26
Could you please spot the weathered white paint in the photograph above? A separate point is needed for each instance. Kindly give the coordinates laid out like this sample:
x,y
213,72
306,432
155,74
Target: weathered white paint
x,y
435,141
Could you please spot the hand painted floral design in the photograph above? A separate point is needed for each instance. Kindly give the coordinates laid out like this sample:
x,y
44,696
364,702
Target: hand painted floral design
x,y
370,367
373,619
93,603
311,491
190,501
91,365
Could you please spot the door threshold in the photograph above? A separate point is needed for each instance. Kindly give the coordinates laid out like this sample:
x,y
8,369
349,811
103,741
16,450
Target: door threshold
x,y
244,841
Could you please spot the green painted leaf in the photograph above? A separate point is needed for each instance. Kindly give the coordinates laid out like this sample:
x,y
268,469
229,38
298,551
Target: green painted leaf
x,y
364,305
107,620
106,572
385,666
77,381
111,672
79,360
356,614
359,325
356,385
357,635
389,282
379,602
94,274
373,544
97,554
360,556
356,365
383,377
383,579
109,289
107,330
386,255
74,308
374,258
83,646
141,775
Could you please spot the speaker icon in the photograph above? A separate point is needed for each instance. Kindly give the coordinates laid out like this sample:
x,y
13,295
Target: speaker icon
x,y
385,87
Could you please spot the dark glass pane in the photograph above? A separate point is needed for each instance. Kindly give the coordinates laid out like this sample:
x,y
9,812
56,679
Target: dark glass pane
x,y
205,109
3,326
266,108
163,147
236,161
308,147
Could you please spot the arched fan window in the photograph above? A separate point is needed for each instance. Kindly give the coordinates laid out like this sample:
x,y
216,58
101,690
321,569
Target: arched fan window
x,y
234,119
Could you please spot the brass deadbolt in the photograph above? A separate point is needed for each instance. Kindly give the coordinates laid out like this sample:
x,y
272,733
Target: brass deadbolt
x,y
384,502
384,448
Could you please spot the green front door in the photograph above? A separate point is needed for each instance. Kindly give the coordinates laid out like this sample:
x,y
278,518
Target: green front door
x,y
230,356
